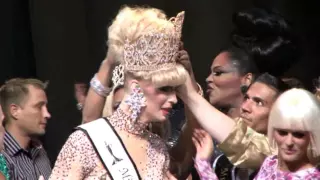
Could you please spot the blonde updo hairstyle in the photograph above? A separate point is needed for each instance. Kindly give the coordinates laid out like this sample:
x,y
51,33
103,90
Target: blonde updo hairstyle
x,y
299,110
131,24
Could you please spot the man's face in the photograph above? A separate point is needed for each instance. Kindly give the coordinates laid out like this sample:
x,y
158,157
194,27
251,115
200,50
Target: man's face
x,y
32,114
256,106
1,129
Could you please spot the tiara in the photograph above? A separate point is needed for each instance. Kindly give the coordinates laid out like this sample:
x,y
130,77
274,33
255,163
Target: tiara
x,y
155,49
118,76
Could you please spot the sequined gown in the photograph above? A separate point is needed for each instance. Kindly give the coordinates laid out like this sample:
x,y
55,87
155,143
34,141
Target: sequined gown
x,y
3,167
78,159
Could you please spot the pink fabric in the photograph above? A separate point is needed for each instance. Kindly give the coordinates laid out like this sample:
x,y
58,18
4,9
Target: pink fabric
x,y
205,170
269,171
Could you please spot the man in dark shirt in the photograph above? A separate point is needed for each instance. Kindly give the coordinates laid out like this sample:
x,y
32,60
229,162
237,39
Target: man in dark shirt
x,y
24,105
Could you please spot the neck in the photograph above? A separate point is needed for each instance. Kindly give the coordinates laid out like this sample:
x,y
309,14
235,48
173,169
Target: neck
x,y
122,119
232,109
22,139
295,165
232,112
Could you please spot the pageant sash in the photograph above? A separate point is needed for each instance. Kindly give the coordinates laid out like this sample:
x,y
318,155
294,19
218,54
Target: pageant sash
x,y
225,170
110,149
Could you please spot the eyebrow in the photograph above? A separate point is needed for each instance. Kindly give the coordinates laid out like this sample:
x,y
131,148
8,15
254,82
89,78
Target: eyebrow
x,y
216,67
256,99
225,68
41,103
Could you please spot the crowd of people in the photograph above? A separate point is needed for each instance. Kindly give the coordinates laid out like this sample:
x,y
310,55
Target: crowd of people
x,y
144,115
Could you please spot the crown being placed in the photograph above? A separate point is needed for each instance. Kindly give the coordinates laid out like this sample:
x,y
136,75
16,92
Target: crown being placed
x,y
154,50
118,76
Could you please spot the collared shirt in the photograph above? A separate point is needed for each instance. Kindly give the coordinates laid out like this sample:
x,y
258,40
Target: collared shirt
x,y
245,147
25,164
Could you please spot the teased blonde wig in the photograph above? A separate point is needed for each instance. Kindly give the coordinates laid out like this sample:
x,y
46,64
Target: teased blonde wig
x,y
131,24
297,109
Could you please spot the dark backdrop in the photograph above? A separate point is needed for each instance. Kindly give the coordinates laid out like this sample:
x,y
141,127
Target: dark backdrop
x,y
64,42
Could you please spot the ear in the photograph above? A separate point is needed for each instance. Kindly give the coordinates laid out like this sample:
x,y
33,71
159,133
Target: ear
x,y
247,79
14,111
132,84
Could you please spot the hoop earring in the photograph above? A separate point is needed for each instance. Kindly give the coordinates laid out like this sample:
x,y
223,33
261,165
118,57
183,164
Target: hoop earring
x,y
243,88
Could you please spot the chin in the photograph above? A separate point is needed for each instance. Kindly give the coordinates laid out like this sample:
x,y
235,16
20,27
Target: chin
x,y
290,158
213,101
41,133
161,118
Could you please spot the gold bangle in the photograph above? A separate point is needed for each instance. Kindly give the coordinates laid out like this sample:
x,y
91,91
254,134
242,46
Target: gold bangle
x,y
200,91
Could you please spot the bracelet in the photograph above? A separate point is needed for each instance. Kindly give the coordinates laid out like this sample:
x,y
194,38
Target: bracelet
x,y
200,89
100,89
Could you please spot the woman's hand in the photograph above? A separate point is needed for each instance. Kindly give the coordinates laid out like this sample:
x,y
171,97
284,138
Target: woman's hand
x,y
203,143
190,84
105,71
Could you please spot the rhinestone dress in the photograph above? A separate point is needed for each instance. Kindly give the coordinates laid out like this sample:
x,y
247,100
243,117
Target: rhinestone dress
x,y
3,167
78,159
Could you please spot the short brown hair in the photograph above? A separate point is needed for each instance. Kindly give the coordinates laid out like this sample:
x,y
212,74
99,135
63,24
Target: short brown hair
x,y
14,91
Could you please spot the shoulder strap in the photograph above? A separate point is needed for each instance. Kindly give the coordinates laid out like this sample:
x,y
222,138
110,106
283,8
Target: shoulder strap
x,y
111,150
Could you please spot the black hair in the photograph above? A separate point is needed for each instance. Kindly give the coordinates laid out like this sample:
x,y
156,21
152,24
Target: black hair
x,y
273,82
241,60
268,38
294,83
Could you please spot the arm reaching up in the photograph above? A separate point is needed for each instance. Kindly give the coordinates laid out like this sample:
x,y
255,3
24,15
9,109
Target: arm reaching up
x,y
94,102
217,124
204,146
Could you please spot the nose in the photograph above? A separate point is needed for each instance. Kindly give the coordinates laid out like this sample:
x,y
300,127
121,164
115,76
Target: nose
x,y
46,113
246,106
173,98
289,140
209,79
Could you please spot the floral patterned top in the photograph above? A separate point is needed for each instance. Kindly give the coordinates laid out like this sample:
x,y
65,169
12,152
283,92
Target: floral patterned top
x,y
3,167
269,171
205,170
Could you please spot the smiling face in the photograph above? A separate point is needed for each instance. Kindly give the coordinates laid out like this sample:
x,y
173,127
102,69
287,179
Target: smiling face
x,y
223,84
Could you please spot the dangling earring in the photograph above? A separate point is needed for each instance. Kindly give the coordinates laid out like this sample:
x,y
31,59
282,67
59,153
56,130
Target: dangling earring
x,y
244,88
135,102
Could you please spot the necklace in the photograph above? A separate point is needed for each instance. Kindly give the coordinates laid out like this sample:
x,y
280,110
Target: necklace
x,y
123,121
156,151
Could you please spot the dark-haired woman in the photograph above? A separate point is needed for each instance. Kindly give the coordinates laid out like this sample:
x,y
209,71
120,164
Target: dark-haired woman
x,y
232,71
267,38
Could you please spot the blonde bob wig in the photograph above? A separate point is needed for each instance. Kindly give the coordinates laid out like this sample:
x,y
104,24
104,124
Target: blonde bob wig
x,y
299,110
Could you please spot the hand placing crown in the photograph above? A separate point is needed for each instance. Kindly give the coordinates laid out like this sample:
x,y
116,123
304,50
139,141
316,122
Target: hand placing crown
x,y
154,50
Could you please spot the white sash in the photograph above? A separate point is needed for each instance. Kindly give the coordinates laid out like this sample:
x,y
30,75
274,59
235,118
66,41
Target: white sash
x,y
110,149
